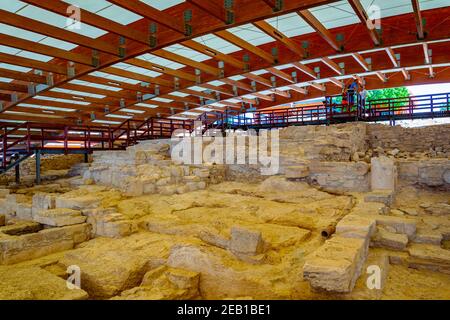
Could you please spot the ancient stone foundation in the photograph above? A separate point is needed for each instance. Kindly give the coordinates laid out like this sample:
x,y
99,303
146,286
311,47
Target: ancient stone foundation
x,y
347,199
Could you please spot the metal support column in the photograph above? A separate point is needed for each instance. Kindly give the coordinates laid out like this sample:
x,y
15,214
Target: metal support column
x,y
86,157
38,166
18,173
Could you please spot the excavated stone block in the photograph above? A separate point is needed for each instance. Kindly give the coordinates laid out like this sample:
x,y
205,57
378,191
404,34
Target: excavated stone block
x,y
382,196
59,217
14,249
428,236
430,253
17,227
246,241
383,174
77,203
2,220
336,265
183,279
356,226
389,240
3,193
401,225
113,225
34,283
24,211
214,239
297,172
43,201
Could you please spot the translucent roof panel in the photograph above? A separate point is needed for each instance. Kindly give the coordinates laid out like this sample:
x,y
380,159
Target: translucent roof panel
x,y
217,43
251,34
6,80
335,15
187,53
15,68
35,37
107,10
113,77
161,61
56,20
45,107
131,68
62,100
290,24
94,85
78,93
179,94
146,105
162,4
433,4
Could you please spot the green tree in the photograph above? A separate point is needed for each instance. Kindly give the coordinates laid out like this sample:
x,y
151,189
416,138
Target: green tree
x,y
390,93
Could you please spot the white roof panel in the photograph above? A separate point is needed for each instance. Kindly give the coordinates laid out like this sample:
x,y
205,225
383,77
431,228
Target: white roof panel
x,y
162,4
251,34
217,43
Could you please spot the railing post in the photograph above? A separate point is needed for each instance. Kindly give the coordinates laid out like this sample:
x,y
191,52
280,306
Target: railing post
x,y
5,147
28,138
128,133
432,104
110,138
38,166
89,138
66,132
153,127
42,138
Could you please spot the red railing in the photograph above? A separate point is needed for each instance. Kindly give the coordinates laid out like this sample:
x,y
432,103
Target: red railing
x,y
27,137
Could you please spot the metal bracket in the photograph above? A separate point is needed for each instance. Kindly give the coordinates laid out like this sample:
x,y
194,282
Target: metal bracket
x,y
229,12
106,110
122,48
157,91
294,76
14,97
93,116
50,81
122,103
95,59
246,59
235,91
139,96
221,66
1,106
31,89
273,79
153,40
176,83
187,16
279,5
71,69
317,71
198,78
253,84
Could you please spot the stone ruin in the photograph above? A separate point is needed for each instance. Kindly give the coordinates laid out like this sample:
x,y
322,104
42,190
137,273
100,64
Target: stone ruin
x,y
142,226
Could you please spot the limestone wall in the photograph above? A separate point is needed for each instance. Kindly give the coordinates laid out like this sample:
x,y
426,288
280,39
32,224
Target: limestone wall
x,y
432,139
48,163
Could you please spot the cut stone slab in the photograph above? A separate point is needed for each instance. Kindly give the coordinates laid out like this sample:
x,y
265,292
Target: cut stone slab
x,y
17,228
383,174
59,217
382,196
428,236
2,220
336,265
430,253
15,249
4,193
297,172
246,241
389,240
77,203
357,226
183,279
33,283
43,201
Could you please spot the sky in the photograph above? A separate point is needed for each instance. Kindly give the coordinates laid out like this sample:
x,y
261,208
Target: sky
x,y
429,89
